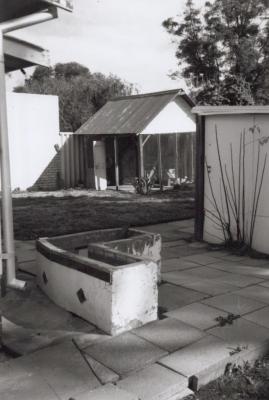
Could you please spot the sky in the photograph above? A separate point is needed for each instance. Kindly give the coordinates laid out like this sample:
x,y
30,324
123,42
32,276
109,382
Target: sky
x,y
122,37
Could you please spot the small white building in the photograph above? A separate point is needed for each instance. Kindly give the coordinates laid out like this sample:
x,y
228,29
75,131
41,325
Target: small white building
x,y
232,147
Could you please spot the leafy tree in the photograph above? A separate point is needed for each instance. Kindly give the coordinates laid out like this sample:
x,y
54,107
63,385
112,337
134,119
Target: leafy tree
x,y
81,93
223,51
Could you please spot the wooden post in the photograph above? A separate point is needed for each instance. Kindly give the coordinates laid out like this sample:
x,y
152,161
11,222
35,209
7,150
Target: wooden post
x,y
200,178
176,164
160,167
67,161
116,157
62,155
141,157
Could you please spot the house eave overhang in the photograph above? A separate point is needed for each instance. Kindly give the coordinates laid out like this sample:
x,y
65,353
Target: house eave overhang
x,y
11,9
20,54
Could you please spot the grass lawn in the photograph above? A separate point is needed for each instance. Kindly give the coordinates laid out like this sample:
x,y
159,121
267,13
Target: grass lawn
x,y
50,216
246,383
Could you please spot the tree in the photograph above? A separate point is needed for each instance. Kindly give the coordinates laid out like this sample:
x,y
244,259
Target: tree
x,y
223,51
81,93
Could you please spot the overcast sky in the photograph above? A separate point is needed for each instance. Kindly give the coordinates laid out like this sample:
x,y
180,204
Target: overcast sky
x,y
123,37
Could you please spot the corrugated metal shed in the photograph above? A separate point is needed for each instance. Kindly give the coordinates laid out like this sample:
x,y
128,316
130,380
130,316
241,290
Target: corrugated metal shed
x,y
130,114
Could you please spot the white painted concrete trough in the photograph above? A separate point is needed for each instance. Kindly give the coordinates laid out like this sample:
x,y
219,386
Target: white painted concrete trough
x,y
108,277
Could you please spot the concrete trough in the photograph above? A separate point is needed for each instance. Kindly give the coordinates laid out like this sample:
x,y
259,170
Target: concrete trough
x,y
108,277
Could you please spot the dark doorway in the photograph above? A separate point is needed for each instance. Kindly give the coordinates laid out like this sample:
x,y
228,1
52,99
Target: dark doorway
x,y
128,160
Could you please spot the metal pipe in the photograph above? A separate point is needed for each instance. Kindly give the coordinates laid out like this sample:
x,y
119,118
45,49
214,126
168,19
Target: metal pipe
x,y
7,216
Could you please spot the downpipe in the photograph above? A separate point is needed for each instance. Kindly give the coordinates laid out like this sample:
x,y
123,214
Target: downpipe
x,y
8,253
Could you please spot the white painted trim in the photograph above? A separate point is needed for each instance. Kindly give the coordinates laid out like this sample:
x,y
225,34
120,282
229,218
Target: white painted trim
x,y
221,110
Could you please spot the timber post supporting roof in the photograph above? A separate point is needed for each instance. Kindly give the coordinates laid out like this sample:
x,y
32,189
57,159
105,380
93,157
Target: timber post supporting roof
x,y
130,114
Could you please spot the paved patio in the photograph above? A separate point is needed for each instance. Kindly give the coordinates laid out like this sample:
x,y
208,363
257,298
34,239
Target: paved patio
x,y
214,310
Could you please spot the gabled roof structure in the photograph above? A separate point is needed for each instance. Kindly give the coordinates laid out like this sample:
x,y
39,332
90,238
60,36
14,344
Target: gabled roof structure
x,y
131,114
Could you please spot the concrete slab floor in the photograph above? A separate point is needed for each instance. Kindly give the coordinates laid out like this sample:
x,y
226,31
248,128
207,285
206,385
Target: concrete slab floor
x,y
154,383
125,353
63,368
172,296
169,334
152,361
234,303
198,315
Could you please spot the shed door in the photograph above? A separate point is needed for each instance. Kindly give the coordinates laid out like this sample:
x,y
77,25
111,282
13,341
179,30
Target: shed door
x,y
99,152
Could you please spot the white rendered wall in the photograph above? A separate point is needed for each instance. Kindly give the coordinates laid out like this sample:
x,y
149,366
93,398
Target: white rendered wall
x,y
173,118
33,123
229,128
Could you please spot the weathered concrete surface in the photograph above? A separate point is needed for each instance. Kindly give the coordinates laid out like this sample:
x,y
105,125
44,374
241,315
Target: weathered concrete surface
x,y
171,296
197,314
234,303
260,317
125,353
63,368
169,334
154,383
201,359
107,392
242,334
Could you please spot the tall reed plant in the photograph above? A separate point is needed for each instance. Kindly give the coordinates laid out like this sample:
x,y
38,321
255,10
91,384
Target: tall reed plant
x,y
234,208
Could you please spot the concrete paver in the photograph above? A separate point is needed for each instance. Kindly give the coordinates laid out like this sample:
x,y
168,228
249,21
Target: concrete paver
x,y
172,296
105,375
234,303
256,292
179,251
107,392
198,315
28,267
203,355
169,334
242,333
176,264
178,277
63,368
125,353
241,269
224,276
25,255
260,317
28,387
210,287
203,259
154,383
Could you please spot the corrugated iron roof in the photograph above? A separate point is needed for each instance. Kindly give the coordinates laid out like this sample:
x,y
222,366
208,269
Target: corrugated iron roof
x,y
130,114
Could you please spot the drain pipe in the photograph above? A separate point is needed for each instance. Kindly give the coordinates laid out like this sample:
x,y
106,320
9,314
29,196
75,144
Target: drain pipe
x,y
7,215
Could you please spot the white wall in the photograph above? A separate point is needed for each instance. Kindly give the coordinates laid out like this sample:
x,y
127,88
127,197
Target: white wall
x,y
173,118
229,128
33,122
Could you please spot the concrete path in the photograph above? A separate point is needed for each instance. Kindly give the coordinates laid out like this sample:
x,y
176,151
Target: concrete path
x,y
214,310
